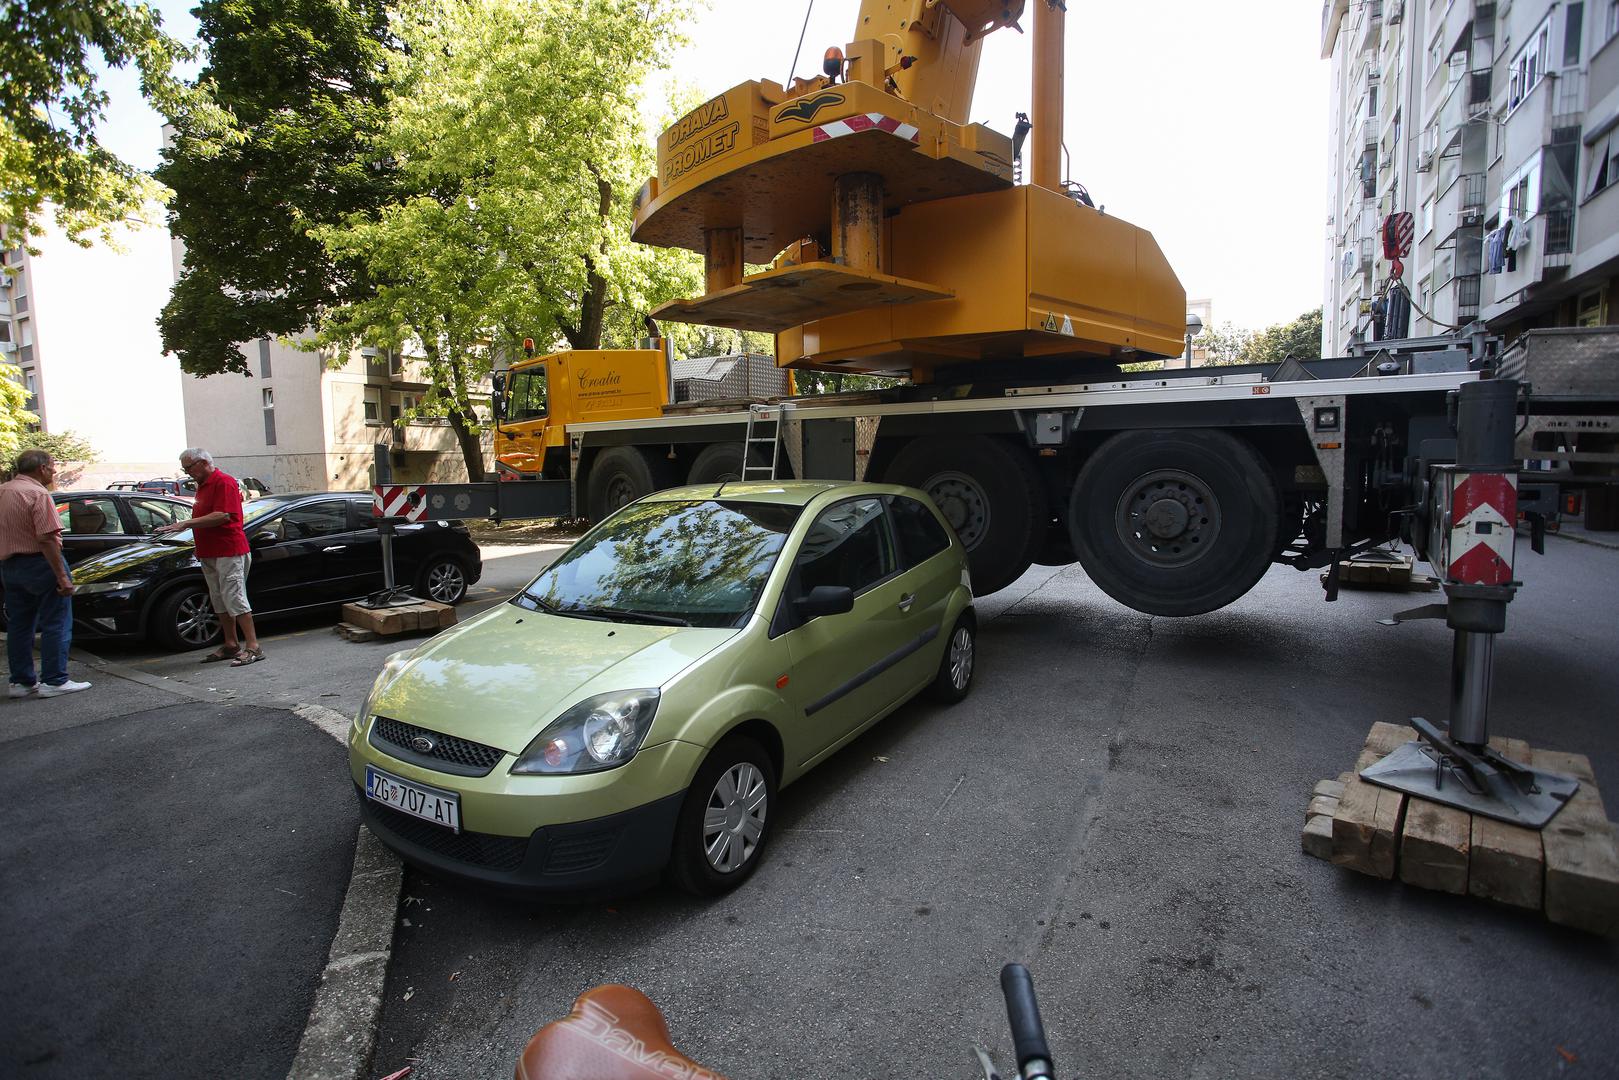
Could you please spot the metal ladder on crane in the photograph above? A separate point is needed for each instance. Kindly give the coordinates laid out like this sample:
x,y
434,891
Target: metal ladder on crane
x,y
753,443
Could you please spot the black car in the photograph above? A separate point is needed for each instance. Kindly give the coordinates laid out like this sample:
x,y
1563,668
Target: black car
x,y
98,521
309,551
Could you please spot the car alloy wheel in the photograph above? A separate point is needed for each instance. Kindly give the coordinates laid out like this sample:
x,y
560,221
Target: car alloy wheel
x,y
195,624
446,582
734,822
960,660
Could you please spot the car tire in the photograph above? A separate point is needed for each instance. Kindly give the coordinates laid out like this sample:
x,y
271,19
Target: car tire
x,y
619,476
442,579
955,678
990,495
1175,522
183,619
720,463
725,821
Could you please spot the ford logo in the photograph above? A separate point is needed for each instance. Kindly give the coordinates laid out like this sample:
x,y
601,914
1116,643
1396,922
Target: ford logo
x,y
422,744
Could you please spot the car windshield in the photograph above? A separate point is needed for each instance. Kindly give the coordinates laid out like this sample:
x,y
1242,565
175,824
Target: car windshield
x,y
251,511
681,563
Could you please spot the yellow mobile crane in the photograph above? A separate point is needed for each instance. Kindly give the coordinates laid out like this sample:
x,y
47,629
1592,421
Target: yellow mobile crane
x,y
897,239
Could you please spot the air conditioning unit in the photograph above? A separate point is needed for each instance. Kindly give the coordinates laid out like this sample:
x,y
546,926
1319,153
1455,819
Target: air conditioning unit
x,y
8,347
1425,161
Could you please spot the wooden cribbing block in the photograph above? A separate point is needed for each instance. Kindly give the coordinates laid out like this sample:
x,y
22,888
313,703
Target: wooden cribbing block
x,y
1507,865
1582,852
1366,828
422,615
1434,846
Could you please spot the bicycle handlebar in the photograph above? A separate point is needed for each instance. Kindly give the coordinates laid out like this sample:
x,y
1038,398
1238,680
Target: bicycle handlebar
x,y
1023,1015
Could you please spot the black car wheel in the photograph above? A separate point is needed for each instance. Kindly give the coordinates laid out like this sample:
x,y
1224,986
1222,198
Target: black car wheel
x,y
725,820
184,619
955,675
442,579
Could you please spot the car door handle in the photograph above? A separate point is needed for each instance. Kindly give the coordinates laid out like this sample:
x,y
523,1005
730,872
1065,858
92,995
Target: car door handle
x,y
335,547
906,601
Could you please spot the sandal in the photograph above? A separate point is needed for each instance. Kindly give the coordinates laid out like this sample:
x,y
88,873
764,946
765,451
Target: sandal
x,y
247,656
219,654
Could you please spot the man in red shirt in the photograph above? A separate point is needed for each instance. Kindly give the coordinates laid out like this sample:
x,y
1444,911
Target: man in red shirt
x,y
222,549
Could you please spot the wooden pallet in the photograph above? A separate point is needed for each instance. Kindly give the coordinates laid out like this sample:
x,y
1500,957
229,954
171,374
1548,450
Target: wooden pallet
x,y
350,632
1399,575
389,621
1569,870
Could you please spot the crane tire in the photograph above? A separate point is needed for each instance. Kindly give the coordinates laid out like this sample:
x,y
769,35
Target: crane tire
x,y
1174,522
990,494
717,464
619,476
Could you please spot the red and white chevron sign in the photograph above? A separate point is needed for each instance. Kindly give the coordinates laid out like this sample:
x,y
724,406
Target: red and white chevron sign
x,y
865,122
1483,527
394,501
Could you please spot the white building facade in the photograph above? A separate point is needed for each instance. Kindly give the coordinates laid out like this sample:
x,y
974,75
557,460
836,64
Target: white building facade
x,y
1493,125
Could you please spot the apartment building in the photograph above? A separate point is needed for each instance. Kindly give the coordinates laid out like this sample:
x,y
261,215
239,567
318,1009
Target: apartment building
x,y
1493,124
301,421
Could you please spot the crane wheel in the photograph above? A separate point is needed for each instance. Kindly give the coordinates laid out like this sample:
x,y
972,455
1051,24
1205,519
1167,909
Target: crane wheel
x,y
1176,522
988,492
717,464
619,476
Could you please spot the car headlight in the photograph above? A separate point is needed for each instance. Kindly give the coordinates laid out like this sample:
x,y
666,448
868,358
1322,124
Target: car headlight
x,y
91,588
392,668
601,732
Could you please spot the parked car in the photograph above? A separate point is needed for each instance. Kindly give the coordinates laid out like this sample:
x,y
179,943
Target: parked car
x,y
636,706
309,551
182,487
98,521
253,488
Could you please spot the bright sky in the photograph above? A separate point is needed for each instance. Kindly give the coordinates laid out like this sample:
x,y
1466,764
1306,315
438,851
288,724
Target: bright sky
x,y
1204,123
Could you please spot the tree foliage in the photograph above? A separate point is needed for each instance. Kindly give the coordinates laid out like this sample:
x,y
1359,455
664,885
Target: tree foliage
x,y
1225,344
50,101
1300,339
301,84
71,450
515,128
15,419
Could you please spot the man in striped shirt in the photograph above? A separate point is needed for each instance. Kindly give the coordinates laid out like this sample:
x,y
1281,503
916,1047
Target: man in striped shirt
x,y
38,589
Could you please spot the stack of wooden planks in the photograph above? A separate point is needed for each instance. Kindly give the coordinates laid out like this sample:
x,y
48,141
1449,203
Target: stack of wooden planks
x,y
1396,574
1569,870
361,623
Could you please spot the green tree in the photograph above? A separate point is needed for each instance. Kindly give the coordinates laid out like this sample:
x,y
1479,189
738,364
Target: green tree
x,y
50,101
301,84
66,447
515,125
15,419
1300,339
1227,344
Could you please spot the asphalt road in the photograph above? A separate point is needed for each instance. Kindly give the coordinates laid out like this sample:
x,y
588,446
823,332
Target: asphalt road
x,y
1117,805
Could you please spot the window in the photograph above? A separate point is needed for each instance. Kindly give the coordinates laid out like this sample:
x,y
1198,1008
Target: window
x,y
269,397
1434,55
1572,26
1529,65
525,394
150,513
1589,311
309,522
1425,218
848,545
1612,25
373,405
89,517
264,358
401,405
1602,164
918,532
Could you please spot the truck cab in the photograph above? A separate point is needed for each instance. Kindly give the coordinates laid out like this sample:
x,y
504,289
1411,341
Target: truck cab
x,y
538,397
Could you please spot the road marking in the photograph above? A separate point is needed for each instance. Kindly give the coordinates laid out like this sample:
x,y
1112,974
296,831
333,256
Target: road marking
x,y
330,721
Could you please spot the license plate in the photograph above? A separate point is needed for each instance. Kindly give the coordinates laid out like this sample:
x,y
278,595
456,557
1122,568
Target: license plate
x,y
417,800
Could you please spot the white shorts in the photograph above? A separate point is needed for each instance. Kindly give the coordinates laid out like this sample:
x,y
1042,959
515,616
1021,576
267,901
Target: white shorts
x,y
227,583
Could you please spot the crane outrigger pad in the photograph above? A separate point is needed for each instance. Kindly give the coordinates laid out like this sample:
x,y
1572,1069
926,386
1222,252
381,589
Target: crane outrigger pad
x,y
775,300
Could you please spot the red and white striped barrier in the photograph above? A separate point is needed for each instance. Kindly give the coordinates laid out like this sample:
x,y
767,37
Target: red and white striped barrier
x,y
866,122
396,501
1483,523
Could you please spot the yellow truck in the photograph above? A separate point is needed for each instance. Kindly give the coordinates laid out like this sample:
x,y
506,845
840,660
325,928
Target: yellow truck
x,y
898,238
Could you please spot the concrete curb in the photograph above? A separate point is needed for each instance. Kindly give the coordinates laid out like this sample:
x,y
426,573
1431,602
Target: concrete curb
x,y
341,1032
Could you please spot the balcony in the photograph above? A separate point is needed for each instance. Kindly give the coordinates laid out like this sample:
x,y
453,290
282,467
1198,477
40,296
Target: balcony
x,y
1369,34
1460,206
1467,101
419,435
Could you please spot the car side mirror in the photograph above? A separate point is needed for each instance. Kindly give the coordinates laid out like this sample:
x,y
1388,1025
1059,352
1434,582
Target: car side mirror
x,y
824,600
263,536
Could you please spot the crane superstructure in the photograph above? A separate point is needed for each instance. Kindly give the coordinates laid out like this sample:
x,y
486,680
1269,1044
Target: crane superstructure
x,y
895,237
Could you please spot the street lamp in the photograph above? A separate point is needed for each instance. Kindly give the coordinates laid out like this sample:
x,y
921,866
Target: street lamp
x,y
1194,327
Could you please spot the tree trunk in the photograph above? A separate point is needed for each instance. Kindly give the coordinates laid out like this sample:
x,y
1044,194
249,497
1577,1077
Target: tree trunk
x,y
587,333
471,447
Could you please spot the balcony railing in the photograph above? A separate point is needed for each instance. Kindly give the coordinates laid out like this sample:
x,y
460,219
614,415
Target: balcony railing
x,y
1559,241
1467,293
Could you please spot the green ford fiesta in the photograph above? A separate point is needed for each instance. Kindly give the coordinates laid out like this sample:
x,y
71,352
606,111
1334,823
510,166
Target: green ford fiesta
x,y
637,707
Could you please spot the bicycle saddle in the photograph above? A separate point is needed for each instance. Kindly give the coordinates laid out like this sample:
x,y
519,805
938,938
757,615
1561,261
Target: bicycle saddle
x,y
613,1033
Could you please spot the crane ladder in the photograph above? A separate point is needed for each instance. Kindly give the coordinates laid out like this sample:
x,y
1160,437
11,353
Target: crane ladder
x,y
754,444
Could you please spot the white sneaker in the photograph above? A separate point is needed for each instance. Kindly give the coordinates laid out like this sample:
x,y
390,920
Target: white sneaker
x,y
19,690
69,687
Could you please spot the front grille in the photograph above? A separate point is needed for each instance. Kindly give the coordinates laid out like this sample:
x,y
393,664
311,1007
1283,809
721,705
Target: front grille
x,y
450,754
477,849
570,855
